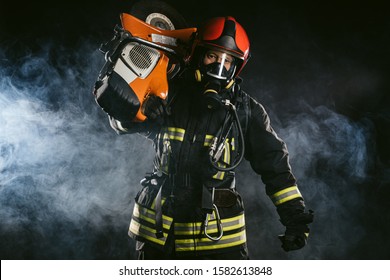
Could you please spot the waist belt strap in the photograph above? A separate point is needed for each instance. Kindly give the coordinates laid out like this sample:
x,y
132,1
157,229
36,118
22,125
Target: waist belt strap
x,y
159,219
159,224
207,200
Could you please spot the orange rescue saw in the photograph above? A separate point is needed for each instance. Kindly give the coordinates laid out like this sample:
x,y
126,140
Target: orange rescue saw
x,y
140,59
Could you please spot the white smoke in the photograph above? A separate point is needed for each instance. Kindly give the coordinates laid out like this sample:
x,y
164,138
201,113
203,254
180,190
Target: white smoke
x,y
61,165
330,156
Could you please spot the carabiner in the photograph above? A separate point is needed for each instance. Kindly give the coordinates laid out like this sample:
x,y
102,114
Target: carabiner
x,y
219,224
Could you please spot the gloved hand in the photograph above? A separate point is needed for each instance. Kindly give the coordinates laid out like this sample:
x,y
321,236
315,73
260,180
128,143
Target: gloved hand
x,y
116,98
154,107
296,222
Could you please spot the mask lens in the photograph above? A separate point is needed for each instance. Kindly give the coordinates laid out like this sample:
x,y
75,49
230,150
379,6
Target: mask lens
x,y
219,65
217,71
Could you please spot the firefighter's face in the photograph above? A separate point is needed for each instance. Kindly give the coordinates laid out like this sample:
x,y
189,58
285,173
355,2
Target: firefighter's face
x,y
220,57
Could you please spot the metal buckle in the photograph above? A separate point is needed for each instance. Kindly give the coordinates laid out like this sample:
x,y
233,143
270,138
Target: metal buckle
x,y
217,219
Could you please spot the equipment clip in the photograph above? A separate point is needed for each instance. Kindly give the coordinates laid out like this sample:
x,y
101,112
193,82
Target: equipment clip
x,y
217,219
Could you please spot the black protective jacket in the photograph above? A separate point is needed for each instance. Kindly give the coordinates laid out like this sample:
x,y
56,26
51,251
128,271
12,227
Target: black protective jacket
x,y
185,189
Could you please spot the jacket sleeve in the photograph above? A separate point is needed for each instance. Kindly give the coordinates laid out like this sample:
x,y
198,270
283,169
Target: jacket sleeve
x,y
268,156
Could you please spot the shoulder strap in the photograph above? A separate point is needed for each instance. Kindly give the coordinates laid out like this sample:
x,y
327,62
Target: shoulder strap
x,y
242,102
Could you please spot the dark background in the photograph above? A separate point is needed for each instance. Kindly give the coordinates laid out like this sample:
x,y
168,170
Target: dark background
x,y
67,181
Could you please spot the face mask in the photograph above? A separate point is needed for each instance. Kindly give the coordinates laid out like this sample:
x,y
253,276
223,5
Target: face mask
x,y
211,97
215,79
217,71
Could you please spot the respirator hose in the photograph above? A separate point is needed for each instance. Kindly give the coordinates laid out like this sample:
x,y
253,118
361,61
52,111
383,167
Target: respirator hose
x,y
220,143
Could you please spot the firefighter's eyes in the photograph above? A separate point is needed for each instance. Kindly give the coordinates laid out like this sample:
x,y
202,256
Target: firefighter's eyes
x,y
215,57
212,56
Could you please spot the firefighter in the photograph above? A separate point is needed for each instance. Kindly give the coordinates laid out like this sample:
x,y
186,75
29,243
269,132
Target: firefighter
x,y
189,206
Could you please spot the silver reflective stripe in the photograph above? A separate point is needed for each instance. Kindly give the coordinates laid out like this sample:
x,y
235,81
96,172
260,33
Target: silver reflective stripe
x,y
201,244
192,230
175,133
148,233
139,227
196,228
285,195
208,139
149,216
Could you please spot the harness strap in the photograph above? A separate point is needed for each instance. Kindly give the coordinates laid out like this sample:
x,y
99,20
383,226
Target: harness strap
x,y
159,220
207,200
241,99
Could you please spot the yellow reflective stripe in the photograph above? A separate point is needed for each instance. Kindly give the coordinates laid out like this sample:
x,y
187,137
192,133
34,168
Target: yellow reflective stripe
x,y
206,240
196,228
175,133
146,232
208,139
285,195
226,159
228,240
233,144
153,206
150,216
220,174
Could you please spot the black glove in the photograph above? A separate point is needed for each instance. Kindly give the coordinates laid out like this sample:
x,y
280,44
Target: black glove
x,y
296,220
116,98
154,107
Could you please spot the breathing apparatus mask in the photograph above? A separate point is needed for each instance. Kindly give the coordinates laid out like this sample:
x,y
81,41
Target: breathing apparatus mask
x,y
216,73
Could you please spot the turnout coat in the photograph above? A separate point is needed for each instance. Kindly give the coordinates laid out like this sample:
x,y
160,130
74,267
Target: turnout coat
x,y
188,205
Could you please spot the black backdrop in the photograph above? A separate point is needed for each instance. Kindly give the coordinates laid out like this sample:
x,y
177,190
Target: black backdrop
x,y
67,181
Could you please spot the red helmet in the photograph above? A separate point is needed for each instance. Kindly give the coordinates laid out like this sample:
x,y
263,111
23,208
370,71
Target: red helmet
x,y
226,35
